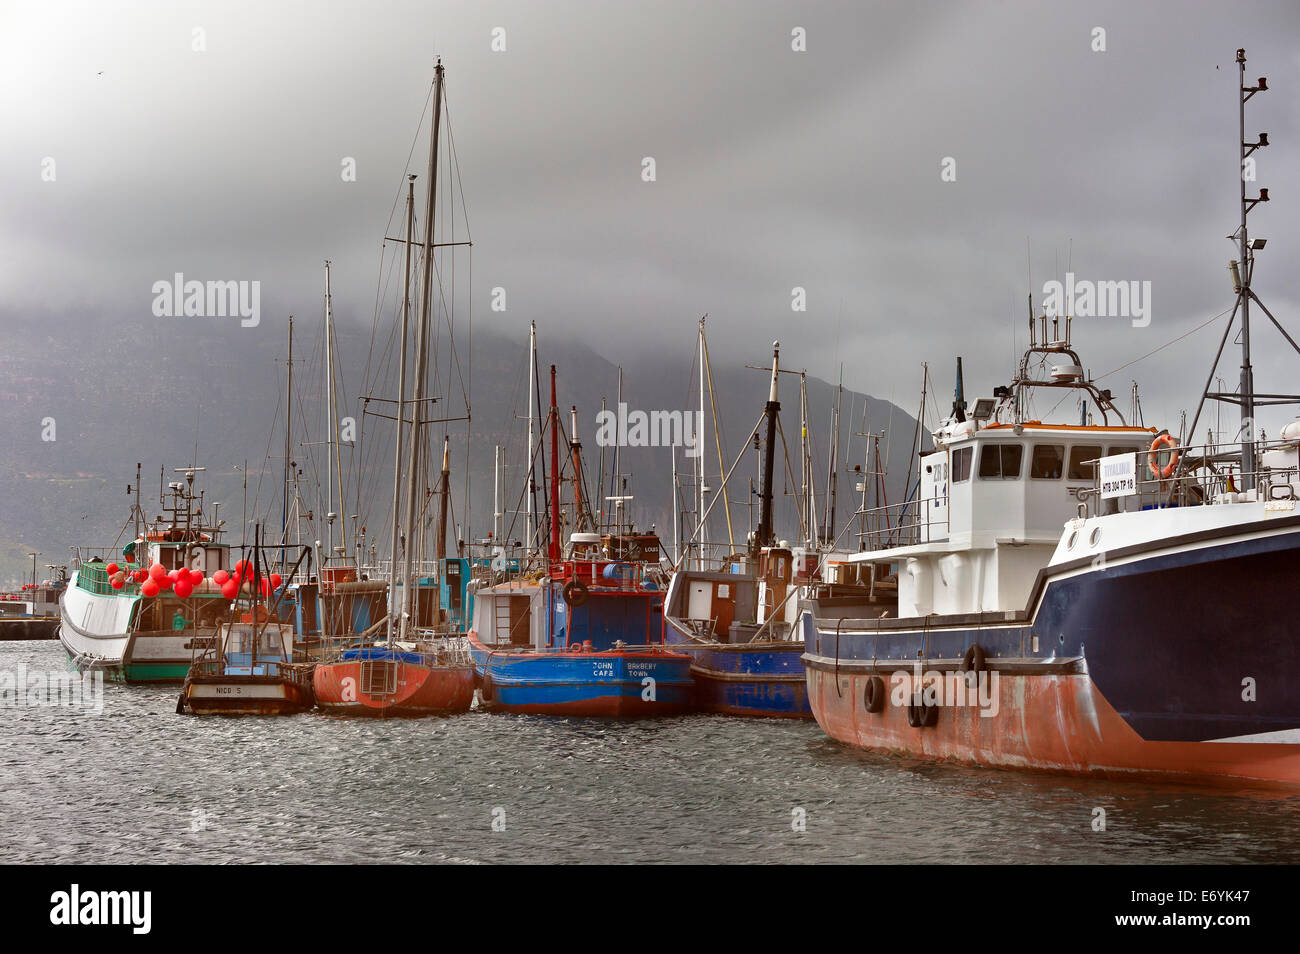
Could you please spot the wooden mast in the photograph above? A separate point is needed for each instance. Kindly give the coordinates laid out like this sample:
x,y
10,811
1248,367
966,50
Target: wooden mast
x,y
422,358
555,552
764,536
401,411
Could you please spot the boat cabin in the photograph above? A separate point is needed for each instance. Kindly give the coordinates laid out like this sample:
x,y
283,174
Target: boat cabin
x,y
594,604
990,508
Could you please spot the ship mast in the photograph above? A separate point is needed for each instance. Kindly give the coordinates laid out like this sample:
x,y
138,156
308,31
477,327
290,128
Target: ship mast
x,y
764,535
333,443
554,552
529,539
717,436
401,412
422,355
581,511
444,492
700,461
1242,270
288,429
1243,294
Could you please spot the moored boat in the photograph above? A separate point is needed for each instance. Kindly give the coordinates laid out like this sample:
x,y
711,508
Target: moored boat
x,y
33,611
252,667
735,622
251,672
143,621
412,662
1072,600
585,639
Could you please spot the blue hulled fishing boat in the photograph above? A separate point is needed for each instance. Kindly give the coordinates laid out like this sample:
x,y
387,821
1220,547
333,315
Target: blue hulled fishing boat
x,y
1089,598
736,622
587,638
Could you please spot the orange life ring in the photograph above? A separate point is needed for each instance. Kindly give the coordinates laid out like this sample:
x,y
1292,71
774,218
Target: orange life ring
x,y
1159,445
575,647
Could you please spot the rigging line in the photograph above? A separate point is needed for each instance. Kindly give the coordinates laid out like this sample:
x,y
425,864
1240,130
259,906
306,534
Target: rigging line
x,y
469,381
314,362
523,491
789,474
1173,341
451,335
261,471
415,140
455,163
1165,345
367,470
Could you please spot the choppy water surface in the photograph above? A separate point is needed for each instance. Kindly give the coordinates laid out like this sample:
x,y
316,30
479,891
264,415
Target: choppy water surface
x,y
138,783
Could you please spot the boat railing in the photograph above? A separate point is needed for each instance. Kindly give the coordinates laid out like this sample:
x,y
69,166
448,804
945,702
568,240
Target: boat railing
x,y
83,555
379,571
1188,476
632,576
902,525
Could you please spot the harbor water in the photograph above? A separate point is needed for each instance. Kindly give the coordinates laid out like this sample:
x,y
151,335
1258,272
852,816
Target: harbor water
x,y
136,783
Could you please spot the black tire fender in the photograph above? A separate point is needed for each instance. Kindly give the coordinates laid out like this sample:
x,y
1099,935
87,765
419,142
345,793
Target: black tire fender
x,y
575,592
874,694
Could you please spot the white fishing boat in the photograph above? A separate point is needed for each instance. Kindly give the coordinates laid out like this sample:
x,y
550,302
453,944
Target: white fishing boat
x,y
1087,598
142,619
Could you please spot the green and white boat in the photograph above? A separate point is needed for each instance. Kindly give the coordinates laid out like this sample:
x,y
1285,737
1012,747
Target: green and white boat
x,y
134,638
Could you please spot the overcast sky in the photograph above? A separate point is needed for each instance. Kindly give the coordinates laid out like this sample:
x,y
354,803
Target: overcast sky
x,y
774,169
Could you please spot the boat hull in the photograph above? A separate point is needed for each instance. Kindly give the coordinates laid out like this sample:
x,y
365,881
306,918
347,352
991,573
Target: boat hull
x,y
1045,723
97,634
762,681
14,628
1139,665
416,689
615,684
247,695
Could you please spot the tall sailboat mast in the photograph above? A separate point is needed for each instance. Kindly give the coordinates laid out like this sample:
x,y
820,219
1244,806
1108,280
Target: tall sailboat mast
x,y
288,429
422,356
700,463
555,551
717,439
401,411
332,371
530,529
329,427
764,536
444,495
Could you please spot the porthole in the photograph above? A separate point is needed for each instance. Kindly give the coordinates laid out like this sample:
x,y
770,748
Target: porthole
x,y
1074,538
1095,538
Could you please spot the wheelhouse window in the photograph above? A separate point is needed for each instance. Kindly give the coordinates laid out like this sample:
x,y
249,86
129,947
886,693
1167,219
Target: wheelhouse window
x,y
1000,461
1123,449
1047,462
1080,455
961,461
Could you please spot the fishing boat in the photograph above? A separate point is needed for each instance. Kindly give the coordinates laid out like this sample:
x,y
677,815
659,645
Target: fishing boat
x,y
736,621
418,665
251,672
33,611
587,638
251,668
142,620
1093,599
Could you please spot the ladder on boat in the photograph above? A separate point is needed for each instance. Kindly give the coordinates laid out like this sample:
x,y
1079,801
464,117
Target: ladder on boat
x,y
379,677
